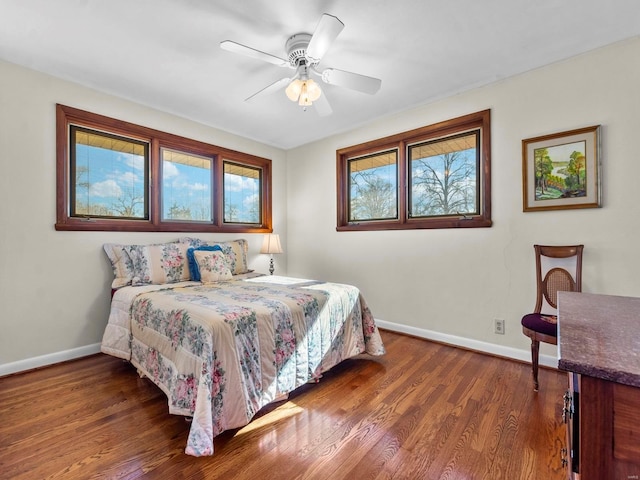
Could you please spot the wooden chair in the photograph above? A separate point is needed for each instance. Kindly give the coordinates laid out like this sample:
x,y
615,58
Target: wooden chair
x,y
541,325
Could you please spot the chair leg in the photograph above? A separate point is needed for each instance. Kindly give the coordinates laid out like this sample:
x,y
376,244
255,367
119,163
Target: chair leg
x,y
535,348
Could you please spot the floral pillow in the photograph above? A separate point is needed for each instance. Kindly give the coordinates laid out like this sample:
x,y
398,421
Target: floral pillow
x,y
120,263
212,266
194,271
236,252
158,264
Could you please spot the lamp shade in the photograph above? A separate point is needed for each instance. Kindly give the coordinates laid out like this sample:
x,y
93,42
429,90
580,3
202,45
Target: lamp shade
x,y
293,90
313,90
271,244
303,91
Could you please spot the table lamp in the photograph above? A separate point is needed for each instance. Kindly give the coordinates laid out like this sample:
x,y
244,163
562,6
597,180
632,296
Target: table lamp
x,y
271,245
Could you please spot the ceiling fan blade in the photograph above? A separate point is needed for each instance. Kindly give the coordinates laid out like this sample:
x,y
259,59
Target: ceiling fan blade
x,y
322,106
274,87
351,80
253,53
326,32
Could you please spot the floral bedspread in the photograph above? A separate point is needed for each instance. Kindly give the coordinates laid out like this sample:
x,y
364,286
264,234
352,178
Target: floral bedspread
x,y
222,351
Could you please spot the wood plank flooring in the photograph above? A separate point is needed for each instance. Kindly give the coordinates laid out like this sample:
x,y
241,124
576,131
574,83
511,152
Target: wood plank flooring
x,y
422,411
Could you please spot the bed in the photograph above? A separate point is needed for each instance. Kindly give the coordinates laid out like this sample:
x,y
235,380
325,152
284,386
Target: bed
x,y
221,350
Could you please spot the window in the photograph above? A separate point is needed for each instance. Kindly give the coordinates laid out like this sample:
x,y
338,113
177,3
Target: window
x,y
373,183
114,175
108,177
443,176
242,187
437,176
186,186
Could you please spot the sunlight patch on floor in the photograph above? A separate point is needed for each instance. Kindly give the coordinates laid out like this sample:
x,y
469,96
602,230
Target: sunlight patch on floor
x,y
287,410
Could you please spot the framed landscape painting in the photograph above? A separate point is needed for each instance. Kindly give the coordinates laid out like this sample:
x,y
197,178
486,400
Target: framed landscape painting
x,y
562,170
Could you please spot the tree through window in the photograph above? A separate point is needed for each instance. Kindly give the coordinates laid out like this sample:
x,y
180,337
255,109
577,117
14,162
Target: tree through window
x,y
444,176
109,175
437,176
373,183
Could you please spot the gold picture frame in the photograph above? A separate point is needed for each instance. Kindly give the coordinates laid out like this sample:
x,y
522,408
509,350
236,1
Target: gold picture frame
x,y
562,170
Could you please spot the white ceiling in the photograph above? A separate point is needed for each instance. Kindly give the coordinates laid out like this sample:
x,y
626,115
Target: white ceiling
x,y
165,53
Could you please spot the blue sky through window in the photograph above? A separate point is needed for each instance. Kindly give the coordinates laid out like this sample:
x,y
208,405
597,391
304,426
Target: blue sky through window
x,y
241,194
373,187
109,182
111,175
186,186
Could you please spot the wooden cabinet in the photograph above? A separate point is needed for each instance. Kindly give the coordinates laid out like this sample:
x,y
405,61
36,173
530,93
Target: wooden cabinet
x,y
599,347
571,418
603,429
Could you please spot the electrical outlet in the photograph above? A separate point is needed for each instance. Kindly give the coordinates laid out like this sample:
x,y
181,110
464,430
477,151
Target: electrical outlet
x,y
498,327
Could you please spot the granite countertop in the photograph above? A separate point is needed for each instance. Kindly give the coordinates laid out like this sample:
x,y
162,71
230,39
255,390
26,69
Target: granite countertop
x,y
599,336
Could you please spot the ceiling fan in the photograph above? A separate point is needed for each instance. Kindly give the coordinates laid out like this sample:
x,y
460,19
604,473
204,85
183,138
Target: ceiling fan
x,y
304,53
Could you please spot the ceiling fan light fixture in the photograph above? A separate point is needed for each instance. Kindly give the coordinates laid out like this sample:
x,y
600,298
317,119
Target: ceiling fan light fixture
x,y
313,90
304,100
294,89
305,92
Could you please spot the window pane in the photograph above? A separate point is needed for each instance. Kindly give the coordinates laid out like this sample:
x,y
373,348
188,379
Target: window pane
x,y
373,187
109,175
444,176
242,194
186,186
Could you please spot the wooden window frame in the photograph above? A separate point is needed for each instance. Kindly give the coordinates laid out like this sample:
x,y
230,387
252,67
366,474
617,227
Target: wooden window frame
x,y
67,116
475,121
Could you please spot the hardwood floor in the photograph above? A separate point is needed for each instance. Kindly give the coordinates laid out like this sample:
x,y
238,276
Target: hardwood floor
x,y
423,411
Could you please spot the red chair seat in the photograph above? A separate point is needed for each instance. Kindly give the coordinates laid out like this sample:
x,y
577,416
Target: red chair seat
x,y
540,323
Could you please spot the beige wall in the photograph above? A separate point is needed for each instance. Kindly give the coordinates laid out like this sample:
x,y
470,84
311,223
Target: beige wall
x,y
55,286
451,284
443,284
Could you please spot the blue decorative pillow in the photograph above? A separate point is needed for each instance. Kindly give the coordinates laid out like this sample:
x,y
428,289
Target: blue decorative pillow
x,y
191,259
